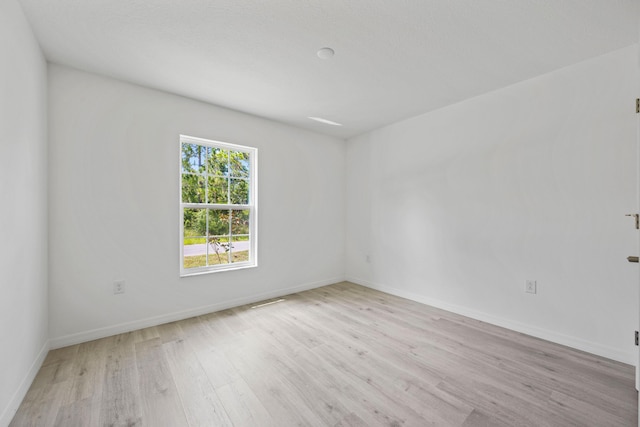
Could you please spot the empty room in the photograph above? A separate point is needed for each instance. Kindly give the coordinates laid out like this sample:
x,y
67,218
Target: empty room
x,y
319,213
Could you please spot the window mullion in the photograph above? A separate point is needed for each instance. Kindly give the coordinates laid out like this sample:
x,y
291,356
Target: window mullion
x,y
206,175
229,177
206,199
230,249
206,240
218,206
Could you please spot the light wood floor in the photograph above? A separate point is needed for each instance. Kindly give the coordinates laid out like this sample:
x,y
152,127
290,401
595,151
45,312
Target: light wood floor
x,y
341,355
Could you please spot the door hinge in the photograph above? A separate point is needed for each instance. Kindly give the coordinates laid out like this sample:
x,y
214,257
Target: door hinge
x,y
637,105
636,337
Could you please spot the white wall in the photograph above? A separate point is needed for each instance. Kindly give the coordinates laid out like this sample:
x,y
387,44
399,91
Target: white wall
x,y
114,159
458,207
23,208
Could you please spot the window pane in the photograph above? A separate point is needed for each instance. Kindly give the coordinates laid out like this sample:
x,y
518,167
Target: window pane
x,y
240,239
194,222
194,158
217,162
239,162
218,190
219,249
218,236
192,188
218,222
194,226
240,222
239,192
240,247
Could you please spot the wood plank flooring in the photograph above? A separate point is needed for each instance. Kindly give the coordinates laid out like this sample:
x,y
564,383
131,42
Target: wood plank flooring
x,y
340,355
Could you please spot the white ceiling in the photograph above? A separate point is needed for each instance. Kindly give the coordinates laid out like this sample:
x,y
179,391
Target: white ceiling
x,y
394,58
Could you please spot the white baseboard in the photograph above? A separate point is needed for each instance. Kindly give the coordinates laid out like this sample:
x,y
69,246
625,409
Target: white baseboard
x,y
545,334
120,328
18,396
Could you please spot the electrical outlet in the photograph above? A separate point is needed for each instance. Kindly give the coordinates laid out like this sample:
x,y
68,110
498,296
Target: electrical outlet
x,y
118,287
531,287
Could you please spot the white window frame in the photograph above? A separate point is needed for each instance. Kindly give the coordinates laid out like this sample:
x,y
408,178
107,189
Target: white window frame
x,y
252,207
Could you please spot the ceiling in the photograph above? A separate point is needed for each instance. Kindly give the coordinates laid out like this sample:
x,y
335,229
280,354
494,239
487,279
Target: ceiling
x,y
393,59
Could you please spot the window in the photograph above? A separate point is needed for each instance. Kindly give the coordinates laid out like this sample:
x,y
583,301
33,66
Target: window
x,y
218,214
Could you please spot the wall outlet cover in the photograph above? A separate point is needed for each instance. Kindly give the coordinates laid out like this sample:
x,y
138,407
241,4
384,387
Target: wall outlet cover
x,y
118,287
531,287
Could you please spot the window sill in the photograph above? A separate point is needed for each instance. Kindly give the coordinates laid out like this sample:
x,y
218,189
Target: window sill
x,y
200,272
